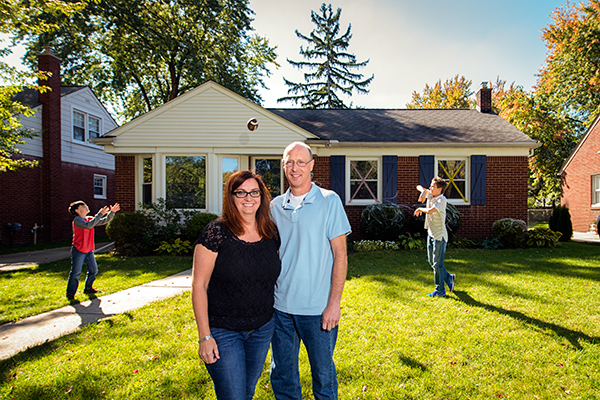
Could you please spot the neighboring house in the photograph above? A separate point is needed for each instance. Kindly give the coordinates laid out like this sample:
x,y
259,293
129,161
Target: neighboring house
x,y
70,166
580,180
184,150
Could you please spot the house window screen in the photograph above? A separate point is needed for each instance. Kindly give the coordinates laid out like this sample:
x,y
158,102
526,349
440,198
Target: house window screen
x,y
455,173
78,126
99,186
94,127
363,180
596,190
186,181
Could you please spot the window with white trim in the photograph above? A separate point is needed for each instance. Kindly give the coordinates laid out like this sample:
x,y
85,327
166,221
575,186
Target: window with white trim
x,y
364,181
100,186
271,171
186,181
86,126
455,171
596,190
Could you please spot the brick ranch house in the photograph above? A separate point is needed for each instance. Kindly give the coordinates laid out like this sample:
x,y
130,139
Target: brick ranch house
x,y
580,180
183,150
70,166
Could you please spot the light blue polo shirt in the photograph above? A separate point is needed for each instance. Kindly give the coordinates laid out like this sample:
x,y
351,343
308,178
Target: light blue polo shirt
x,y
304,284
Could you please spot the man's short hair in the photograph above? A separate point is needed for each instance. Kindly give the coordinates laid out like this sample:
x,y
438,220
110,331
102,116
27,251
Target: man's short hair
x,y
75,205
294,144
440,183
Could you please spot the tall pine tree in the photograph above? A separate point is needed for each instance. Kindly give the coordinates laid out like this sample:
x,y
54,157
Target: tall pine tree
x,y
329,63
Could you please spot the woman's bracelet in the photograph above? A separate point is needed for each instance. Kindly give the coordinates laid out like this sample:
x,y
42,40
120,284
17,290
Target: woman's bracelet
x,y
205,338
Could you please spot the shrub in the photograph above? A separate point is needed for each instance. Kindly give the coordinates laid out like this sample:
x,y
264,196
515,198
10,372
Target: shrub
x,y
509,231
464,243
412,242
417,224
560,221
195,225
129,231
364,246
382,221
176,247
542,237
492,244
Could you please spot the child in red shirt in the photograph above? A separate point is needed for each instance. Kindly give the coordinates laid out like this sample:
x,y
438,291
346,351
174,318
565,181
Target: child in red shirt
x,y
83,244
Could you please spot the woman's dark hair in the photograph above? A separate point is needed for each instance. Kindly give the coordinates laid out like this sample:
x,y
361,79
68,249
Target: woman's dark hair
x,y
231,217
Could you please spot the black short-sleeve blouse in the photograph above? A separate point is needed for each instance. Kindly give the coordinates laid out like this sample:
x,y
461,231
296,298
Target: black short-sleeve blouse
x,y
241,288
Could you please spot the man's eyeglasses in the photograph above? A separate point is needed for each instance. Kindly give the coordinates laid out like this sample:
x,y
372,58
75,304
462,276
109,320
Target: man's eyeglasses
x,y
299,163
241,194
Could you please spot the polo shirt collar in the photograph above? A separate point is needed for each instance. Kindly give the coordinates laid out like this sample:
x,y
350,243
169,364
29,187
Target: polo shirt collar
x,y
310,196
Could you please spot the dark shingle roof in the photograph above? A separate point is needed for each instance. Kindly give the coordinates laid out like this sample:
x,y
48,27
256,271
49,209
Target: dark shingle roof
x,y
29,97
415,125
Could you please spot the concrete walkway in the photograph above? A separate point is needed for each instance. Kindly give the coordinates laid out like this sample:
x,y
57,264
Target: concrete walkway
x,y
18,336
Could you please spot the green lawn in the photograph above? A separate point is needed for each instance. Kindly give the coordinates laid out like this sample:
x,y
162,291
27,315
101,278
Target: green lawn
x,y
522,324
41,288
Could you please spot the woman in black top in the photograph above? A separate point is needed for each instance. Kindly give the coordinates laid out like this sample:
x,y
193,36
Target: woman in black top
x,y
236,265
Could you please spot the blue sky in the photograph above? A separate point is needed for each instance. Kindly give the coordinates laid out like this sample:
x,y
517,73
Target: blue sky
x,y
411,43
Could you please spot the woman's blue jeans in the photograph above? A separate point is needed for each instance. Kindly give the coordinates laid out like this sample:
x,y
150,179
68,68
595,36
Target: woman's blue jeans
x,y
319,343
436,251
242,357
77,259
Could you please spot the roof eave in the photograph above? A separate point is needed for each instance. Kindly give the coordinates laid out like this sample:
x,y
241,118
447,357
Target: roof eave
x,y
335,143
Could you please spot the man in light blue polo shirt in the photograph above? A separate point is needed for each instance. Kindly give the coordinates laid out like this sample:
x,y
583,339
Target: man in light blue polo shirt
x,y
313,226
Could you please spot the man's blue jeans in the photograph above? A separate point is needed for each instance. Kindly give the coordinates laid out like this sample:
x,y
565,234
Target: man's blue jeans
x,y
77,259
285,377
242,357
436,251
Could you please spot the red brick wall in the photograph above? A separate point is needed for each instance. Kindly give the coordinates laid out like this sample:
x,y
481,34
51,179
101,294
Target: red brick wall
x,y
506,194
125,182
577,182
22,202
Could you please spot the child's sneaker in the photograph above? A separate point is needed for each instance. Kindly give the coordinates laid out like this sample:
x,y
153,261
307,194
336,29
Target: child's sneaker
x,y
436,294
452,282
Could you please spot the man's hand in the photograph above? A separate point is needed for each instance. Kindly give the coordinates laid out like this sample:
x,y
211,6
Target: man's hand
x,y
331,317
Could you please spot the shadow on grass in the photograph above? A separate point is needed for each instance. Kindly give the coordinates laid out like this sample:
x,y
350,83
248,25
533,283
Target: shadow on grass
x,y
574,337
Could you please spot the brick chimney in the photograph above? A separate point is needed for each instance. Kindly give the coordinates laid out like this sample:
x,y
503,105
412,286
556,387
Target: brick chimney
x,y
484,98
51,163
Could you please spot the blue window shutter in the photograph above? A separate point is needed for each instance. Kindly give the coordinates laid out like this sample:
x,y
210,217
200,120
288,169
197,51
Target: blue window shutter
x,y
478,179
338,176
390,179
426,168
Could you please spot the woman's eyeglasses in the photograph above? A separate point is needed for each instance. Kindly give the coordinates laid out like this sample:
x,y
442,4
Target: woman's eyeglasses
x,y
241,194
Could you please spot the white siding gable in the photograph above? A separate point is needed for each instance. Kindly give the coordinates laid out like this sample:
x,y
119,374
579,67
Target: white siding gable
x,y
85,153
208,118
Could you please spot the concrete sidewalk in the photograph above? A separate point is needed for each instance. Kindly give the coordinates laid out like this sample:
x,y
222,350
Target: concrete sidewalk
x,y
9,262
18,336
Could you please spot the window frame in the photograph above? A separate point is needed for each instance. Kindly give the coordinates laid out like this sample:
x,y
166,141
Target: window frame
x,y
206,179
362,202
104,180
278,161
86,126
467,180
595,190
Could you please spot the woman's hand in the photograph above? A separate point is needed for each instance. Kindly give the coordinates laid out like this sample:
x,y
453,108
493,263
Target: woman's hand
x,y
208,351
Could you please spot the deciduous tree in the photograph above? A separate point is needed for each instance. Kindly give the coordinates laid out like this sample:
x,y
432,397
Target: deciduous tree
x,y
21,15
453,93
558,134
330,63
570,78
137,55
